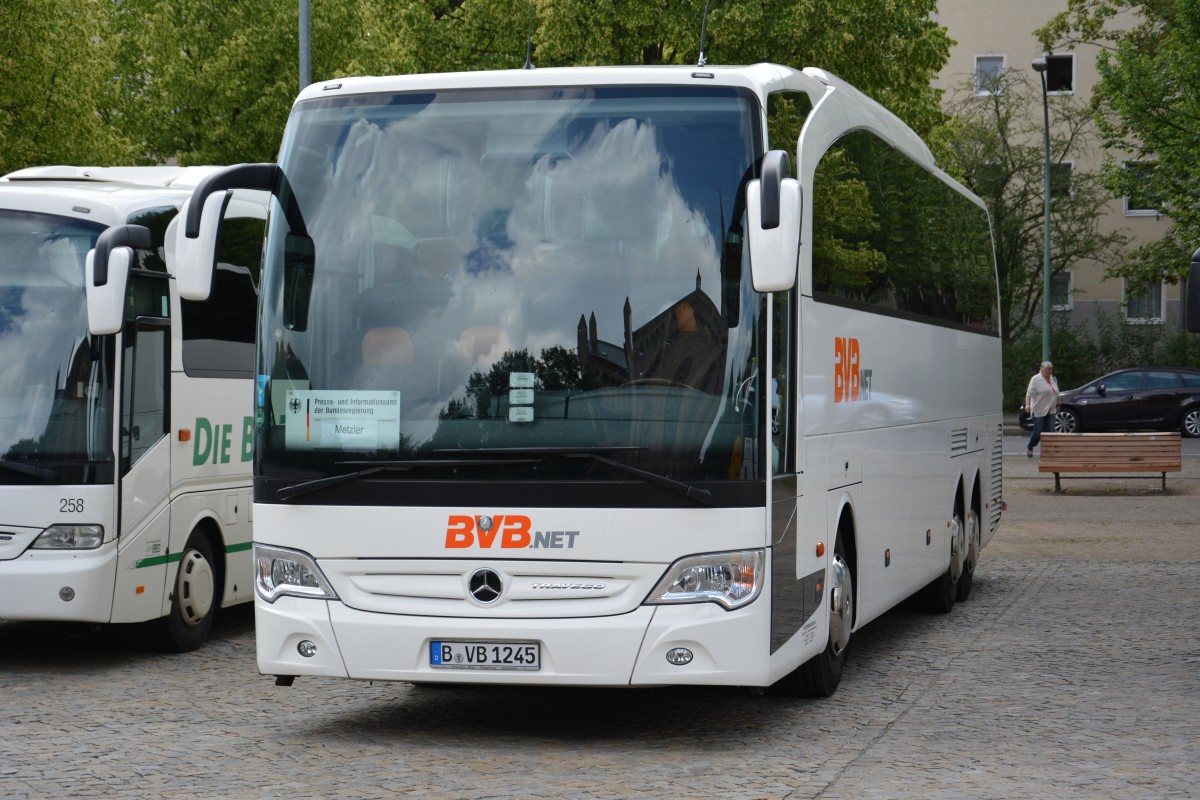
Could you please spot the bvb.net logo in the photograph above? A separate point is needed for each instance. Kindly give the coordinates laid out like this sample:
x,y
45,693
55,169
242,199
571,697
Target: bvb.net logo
x,y
851,383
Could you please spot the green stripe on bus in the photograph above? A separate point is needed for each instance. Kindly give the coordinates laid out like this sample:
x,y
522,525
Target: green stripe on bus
x,y
155,561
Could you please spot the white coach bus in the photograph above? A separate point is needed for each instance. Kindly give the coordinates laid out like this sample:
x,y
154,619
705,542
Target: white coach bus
x,y
563,379
125,413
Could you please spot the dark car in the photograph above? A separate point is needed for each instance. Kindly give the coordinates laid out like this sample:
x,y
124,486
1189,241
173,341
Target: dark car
x,y
1158,398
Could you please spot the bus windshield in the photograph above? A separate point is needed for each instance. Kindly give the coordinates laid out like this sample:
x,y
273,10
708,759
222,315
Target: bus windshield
x,y
523,284
55,380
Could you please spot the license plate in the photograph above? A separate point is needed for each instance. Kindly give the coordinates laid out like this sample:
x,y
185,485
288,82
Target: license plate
x,y
485,655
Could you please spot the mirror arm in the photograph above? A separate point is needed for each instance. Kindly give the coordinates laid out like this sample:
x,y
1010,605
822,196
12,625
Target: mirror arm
x,y
135,236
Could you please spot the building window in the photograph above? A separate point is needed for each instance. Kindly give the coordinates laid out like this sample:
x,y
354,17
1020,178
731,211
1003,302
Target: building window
x,y
1060,74
1060,179
989,75
1137,203
1061,295
1144,302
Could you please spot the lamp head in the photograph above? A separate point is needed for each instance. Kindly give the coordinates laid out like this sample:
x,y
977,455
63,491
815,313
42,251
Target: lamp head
x,y
1039,65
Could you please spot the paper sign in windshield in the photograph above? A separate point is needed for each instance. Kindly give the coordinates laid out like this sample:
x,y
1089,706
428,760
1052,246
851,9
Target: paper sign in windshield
x,y
342,420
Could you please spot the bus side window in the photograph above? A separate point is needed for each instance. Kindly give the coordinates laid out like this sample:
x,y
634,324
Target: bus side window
x,y
781,413
144,398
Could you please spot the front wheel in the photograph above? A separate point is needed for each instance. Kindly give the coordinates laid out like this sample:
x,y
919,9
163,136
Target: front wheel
x,y
1066,422
194,599
821,674
1190,422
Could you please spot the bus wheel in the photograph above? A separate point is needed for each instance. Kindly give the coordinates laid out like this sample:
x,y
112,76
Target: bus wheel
x,y
194,599
973,546
939,595
820,675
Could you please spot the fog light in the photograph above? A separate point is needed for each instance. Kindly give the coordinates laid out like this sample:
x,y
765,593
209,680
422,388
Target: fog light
x,y
66,594
679,656
307,649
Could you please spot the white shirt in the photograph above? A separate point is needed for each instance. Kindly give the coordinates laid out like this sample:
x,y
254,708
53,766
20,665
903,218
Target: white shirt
x,y
1041,398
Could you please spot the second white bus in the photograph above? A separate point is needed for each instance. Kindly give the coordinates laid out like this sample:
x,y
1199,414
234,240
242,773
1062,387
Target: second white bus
x,y
126,426
566,380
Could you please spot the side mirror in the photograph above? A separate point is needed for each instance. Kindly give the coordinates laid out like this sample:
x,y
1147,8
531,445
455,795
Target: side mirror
x,y
196,240
195,258
299,262
773,216
1102,390
107,276
1192,301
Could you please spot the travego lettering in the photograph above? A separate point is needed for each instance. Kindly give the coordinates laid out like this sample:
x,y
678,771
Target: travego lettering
x,y
213,442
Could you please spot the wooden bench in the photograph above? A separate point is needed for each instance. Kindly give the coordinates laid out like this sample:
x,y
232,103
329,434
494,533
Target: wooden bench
x,y
1110,452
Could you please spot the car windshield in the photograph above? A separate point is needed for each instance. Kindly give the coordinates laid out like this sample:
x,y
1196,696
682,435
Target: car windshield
x,y
489,272
55,390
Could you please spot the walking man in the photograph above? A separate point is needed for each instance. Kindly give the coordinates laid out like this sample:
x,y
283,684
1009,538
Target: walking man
x,y
1041,400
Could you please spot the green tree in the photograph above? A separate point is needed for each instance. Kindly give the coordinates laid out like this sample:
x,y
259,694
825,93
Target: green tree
x,y
55,89
995,146
1148,105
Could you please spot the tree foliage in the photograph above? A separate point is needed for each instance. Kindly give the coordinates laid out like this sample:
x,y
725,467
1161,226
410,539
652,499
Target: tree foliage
x,y
1148,105
995,146
56,96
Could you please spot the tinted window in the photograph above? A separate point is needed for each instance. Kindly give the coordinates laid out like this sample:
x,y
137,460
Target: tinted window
x,y
1190,379
1123,382
1162,380
890,237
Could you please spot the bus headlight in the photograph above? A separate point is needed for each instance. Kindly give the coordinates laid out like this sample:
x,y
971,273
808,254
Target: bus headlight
x,y
279,571
729,579
69,537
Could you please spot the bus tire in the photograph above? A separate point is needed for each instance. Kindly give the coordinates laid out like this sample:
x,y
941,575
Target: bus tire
x,y
967,579
821,674
193,598
939,596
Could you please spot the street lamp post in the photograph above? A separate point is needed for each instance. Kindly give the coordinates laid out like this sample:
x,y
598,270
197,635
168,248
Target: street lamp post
x,y
305,45
1040,65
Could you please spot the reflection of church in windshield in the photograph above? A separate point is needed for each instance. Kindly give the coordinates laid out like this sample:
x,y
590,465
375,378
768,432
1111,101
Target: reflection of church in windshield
x,y
683,345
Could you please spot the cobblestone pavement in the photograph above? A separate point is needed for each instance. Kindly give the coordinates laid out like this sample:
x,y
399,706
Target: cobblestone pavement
x,y
1067,677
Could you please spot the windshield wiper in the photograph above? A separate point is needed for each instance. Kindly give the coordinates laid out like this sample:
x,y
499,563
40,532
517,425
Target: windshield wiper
x,y
45,473
308,487
594,454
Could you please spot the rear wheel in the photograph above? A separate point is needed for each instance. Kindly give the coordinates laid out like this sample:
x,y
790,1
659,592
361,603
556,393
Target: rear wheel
x,y
1190,422
194,599
973,545
820,675
939,596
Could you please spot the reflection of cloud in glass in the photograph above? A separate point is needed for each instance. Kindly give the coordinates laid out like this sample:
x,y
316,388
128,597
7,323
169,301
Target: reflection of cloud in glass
x,y
38,336
579,242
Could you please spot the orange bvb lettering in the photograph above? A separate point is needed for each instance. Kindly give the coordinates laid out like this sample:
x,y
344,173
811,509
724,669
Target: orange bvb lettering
x,y
847,380
513,531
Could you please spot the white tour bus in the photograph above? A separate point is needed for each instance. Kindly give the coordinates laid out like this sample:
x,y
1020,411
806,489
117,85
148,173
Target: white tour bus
x,y
126,414
563,379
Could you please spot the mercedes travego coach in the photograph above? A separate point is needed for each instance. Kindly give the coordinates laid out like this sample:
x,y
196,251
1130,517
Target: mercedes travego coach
x,y
125,413
609,376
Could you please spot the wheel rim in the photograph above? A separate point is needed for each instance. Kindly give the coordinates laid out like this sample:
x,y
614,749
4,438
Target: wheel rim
x,y
841,606
1191,422
973,540
194,588
957,547
1065,422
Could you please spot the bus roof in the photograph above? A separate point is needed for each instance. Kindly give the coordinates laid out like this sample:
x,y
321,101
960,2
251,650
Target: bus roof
x,y
760,78
106,195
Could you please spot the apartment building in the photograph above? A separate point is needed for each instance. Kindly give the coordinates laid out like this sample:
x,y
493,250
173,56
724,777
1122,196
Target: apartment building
x,y
995,36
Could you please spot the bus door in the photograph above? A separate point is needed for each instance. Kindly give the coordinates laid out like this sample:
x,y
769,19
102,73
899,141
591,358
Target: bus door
x,y
145,459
